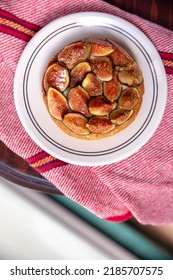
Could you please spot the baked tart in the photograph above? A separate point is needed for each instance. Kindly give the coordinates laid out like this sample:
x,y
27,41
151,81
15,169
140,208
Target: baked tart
x,y
93,88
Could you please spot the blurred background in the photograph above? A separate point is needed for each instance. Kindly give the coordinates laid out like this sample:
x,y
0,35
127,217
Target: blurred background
x,y
34,225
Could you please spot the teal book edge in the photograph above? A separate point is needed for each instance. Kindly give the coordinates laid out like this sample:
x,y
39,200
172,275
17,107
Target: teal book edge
x,y
122,233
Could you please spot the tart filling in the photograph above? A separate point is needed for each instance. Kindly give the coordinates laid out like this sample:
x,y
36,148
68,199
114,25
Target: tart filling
x,y
93,88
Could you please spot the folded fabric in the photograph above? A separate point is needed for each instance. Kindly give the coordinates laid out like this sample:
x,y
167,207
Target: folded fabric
x,y
140,186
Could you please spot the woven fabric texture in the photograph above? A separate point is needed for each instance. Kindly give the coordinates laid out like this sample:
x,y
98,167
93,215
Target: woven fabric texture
x,y
140,186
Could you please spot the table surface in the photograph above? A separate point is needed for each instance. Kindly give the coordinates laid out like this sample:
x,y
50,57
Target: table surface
x,y
13,167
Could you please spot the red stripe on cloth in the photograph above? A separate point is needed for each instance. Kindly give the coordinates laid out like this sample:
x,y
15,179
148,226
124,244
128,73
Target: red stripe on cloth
x,y
119,219
50,165
16,33
169,70
36,157
166,55
16,19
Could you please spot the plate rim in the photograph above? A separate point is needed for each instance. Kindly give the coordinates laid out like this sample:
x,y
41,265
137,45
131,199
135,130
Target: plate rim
x,y
80,161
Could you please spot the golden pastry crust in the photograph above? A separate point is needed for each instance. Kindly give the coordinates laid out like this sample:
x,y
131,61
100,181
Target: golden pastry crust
x,y
93,89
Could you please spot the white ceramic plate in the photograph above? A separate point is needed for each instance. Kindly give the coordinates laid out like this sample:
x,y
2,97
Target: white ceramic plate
x,y
33,113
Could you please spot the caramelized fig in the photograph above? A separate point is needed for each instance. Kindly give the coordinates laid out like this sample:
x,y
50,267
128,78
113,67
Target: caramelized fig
x,y
100,125
120,116
141,88
74,53
77,123
119,56
92,85
131,75
78,100
102,67
100,47
78,73
112,89
57,104
100,106
129,98
56,76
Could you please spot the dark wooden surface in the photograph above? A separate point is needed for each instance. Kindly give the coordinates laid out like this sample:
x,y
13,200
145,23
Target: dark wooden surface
x,y
14,168
17,170
158,11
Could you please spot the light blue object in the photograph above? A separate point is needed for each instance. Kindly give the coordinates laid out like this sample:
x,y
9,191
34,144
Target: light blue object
x,y
122,233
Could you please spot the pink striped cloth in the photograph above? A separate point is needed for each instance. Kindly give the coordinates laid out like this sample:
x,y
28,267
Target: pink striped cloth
x,y
140,186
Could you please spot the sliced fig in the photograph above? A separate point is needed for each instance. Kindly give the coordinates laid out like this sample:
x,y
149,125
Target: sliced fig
x,y
74,53
76,123
100,106
100,125
78,100
141,88
120,116
56,76
92,85
112,89
100,47
119,56
131,75
129,98
65,92
57,104
102,67
78,73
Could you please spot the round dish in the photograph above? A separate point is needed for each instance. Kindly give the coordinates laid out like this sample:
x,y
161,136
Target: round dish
x,y
28,89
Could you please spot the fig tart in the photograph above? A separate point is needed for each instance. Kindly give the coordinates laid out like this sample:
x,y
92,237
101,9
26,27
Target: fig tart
x,y
93,88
